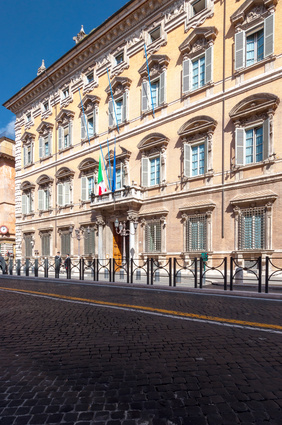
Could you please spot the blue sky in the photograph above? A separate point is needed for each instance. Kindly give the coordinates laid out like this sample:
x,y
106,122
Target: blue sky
x,y
33,30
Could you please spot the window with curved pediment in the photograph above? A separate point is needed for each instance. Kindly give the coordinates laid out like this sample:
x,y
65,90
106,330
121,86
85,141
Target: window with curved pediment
x,y
122,166
44,192
153,162
253,120
254,37
88,171
197,65
27,189
196,135
153,91
65,122
64,186
89,116
27,140
118,101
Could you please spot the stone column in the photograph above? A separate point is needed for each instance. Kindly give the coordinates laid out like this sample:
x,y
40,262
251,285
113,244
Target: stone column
x,y
101,224
132,218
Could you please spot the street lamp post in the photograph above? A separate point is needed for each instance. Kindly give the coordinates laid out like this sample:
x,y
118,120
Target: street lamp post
x,y
123,231
78,235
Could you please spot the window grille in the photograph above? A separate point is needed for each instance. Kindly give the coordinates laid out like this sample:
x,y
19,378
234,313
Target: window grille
x,y
252,229
45,244
89,242
65,243
28,245
153,237
196,233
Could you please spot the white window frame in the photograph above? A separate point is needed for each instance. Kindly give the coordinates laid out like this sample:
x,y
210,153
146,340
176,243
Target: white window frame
x,y
240,143
193,3
147,170
28,154
156,243
61,130
201,243
159,29
43,199
112,109
187,158
251,213
64,193
146,97
42,145
27,203
187,71
85,128
85,192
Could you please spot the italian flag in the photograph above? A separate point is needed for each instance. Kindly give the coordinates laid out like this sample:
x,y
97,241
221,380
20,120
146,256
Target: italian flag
x,y
101,182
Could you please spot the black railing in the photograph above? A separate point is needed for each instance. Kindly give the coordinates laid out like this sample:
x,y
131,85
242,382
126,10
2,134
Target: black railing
x,y
195,273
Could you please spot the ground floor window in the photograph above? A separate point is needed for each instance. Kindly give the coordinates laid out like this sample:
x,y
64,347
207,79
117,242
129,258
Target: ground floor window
x,y
153,236
28,245
65,243
45,244
252,228
89,242
196,233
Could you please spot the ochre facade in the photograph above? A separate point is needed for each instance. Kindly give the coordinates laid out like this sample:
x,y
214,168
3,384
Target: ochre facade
x,y
196,129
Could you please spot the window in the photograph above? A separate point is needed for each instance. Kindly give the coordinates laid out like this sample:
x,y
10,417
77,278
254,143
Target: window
x,y
45,146
45,106
27,203
43,199
254,45
151,171
88,124
65,93
65,136
45,244
195,159
87,187
196,233
90,77
252,144
119,58
28,245
89,242
252,229
155,34
197,72
197,6
153,236
65,242
28,154
28,117
64,193
120,176
117,110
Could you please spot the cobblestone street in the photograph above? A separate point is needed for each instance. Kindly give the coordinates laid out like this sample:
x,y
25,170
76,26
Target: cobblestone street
x,y
65,361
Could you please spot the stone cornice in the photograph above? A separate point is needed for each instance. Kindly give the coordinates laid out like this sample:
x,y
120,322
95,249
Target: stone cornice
x,y
98,42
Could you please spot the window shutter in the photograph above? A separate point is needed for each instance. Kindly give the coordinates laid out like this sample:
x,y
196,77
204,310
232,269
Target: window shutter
x,y
269,35
47,199
60,131
67,193
60,194
94,122
40,147
70,133
83,129
187,159
208,65
83,188
144,96
239,50
185,75
239,146
206,156
145,172
162,88
111,113
124,107
122,177
24,204
49,143
266,139
24,156
41,200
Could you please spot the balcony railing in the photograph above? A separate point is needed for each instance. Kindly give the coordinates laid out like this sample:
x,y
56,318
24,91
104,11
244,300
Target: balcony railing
x,y
127,193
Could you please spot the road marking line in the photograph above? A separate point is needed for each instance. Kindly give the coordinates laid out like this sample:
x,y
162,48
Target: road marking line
x,y
200,317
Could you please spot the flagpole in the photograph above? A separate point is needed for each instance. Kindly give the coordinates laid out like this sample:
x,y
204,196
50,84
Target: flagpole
x,y
149,80
113,99
109,161
86,126
105,167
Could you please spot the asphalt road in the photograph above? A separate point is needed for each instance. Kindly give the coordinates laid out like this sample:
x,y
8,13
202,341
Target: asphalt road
x,y
86,354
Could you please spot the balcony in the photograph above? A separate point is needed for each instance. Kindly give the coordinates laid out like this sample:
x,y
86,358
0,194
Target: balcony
x,y
128,195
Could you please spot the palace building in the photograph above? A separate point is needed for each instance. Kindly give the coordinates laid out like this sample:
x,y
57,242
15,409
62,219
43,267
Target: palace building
x,y
188,93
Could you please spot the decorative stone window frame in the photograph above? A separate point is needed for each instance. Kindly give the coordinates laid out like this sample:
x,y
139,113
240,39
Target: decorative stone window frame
x,y
151,146
88,167
88,106
28,189
196,130
88,86
149,216
251,201
64,119
199,43
195,20
44,232
120,89
193,210
247,18
28,140
254,110
45,182
65,229
45,129
122,160
153,46
66,100
83,228
157,68
64,175
118,68
45,113
29,122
